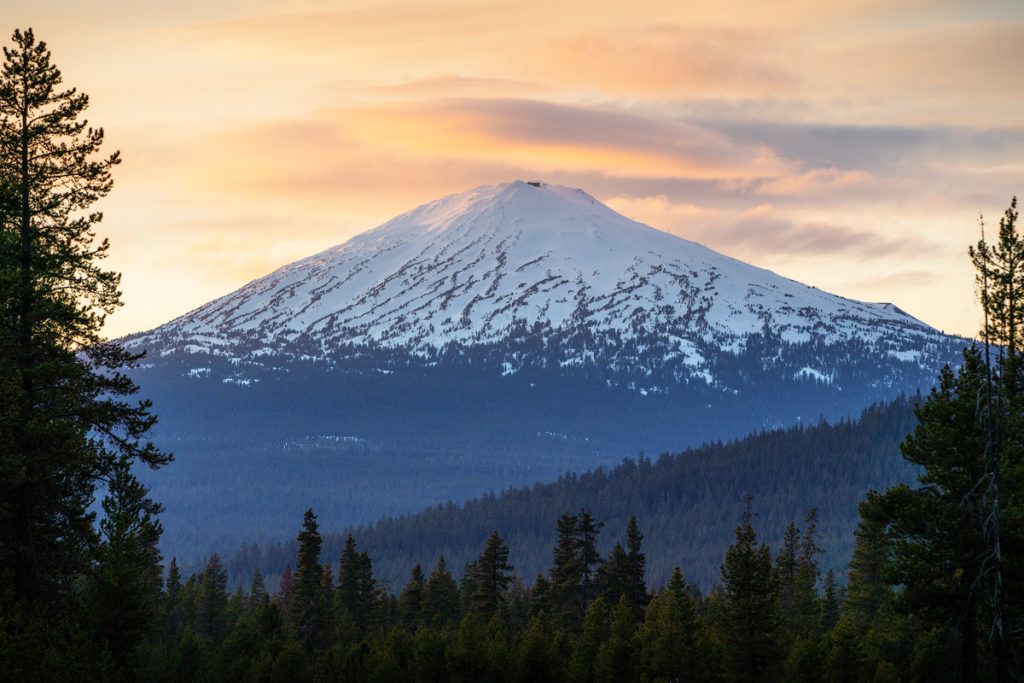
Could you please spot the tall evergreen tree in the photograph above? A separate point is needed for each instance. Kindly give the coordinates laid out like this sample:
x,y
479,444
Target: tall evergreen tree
x,y
258,596
64,423
173,584
308,609
936,530
566,571
613,575
623,573
357,589
410,602
636,591
956,540
617,656
749,606
173,612
999,271
669,646
596,630
805,609
125,585
575,565
212,600
540,596
441,595
787,565
867,585
491,575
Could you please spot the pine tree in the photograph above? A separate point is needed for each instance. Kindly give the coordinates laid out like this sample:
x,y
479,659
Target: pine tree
x,y
566,571
490,576
64,423
357,589
669,648
867,586
212,600
636,586
935,530
806,612
540,596
616,658
173,584
749,605
999,272
258,596
441,595
173,612
597,625
787,565
575,566
999,269
308,609
623,573
410,602
125,586
613,575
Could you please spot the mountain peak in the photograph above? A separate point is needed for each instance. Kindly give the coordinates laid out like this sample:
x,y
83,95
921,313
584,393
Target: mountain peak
x,y
473,268
532,206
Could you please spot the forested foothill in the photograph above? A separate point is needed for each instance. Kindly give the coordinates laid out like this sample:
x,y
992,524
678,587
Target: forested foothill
x,y
933,590
688,503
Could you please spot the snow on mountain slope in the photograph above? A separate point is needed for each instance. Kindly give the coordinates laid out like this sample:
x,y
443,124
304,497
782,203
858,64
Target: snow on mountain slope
x,y
468,268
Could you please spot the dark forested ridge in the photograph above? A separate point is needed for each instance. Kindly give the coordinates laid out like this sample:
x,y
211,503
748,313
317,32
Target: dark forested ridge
x,y
687,503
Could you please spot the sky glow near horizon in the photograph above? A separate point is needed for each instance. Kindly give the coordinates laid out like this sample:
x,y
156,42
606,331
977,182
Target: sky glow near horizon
x,y
847,145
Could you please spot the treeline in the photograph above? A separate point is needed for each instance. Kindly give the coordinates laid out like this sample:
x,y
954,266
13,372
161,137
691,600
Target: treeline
x,y
688,503
772,616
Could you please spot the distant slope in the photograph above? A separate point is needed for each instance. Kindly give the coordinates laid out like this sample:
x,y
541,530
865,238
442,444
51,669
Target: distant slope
x,y
688,504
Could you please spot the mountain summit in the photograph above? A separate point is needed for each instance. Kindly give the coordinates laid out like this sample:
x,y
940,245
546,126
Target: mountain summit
x,y
529,259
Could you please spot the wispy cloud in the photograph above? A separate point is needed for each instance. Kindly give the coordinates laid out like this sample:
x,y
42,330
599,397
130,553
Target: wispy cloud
x,y
670,61
762,230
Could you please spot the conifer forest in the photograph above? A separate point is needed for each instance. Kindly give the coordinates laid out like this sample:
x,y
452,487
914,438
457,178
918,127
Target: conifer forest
x,y
887,546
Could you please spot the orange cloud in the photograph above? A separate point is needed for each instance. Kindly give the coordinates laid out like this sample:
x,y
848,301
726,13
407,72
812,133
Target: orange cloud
x,y
672,61
443,86
375,143
942,73
762,230
816,182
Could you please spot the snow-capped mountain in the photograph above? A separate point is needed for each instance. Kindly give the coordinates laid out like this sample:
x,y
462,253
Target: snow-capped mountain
x,y
496,264
497,337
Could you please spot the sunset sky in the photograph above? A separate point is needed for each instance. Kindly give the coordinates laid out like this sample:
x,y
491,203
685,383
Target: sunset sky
x,y
848,145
